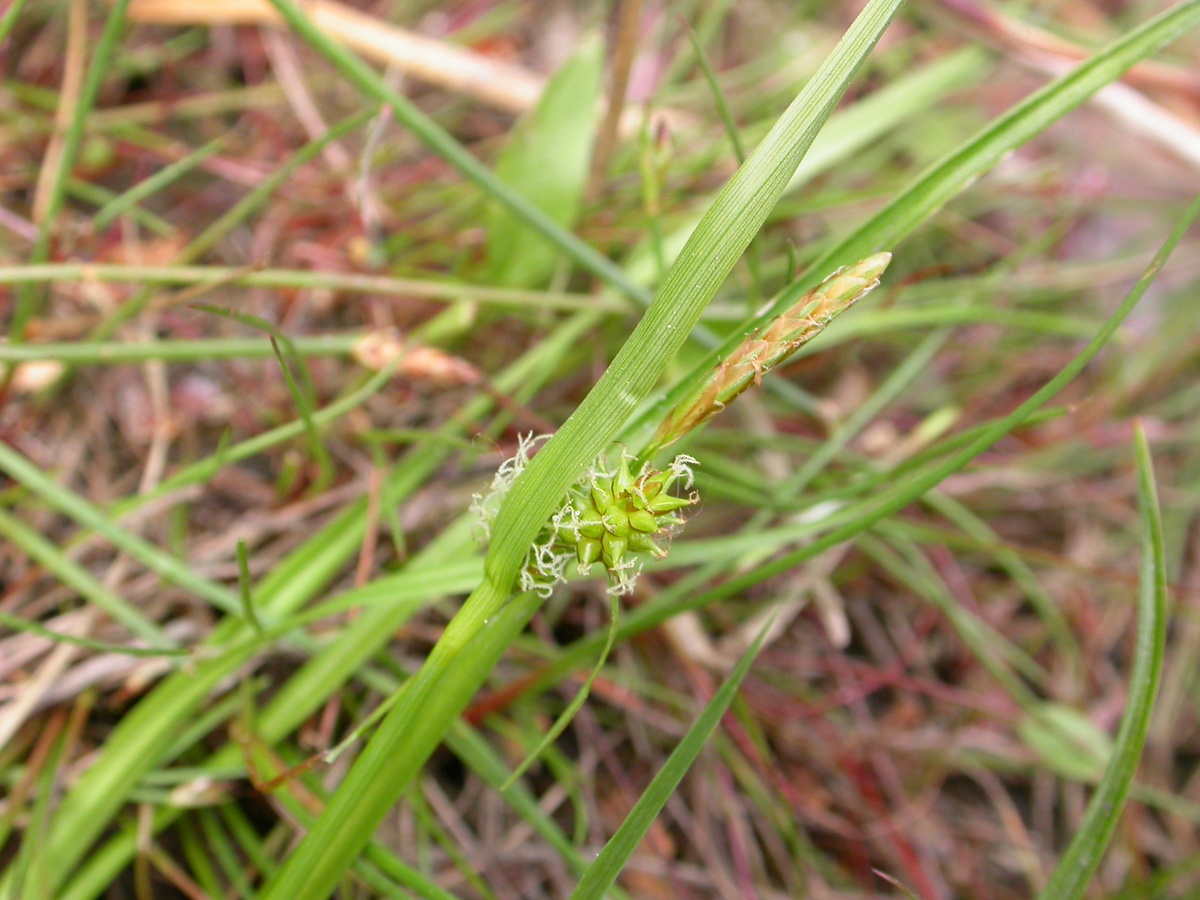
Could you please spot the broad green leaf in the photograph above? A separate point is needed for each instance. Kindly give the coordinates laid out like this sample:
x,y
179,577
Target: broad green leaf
x,y
1066,741
546,160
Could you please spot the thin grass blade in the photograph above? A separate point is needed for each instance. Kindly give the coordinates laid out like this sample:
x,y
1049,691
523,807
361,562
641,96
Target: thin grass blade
x,y
1016,127
602,873
1075,870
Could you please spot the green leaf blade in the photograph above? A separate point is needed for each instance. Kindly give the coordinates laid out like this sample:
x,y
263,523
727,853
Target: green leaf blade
x,y
1079,864
603,872
546,160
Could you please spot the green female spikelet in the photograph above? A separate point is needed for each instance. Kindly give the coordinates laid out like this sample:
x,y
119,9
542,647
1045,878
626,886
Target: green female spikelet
x,y
615,512
609,517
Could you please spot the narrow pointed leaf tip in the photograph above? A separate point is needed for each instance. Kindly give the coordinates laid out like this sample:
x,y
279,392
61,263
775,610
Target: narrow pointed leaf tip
x,y
771,345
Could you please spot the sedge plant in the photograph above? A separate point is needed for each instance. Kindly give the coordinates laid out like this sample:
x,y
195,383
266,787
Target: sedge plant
x,y
480,631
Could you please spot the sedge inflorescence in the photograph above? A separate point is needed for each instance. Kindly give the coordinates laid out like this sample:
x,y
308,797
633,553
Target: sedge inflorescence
x,y
615,516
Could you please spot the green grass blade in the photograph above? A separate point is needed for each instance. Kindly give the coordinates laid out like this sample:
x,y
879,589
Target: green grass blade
x,y
300,387
714,89
16,623
474,748
204,469
899,380
903,494
304,396
150,729
115,353
602,873
240,211
9,19
321,861
32,866
147,732
68,502
99,196
1017,126
849,523
75,576
144,736
245,588
1000,657
236,214
120,204
1058,628
350,282
1077,866
433,135
856,127
942,181
568,714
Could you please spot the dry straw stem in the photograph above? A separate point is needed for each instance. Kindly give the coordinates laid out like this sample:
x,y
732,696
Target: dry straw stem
x,y
72,87
770,346
502,85
380,349
496,83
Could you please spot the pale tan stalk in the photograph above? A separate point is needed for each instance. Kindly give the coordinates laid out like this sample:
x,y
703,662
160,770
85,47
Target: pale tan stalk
x,y
458,69
501,85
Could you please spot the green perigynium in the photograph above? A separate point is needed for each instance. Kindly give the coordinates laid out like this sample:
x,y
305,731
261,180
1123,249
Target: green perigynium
x,y
613,516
